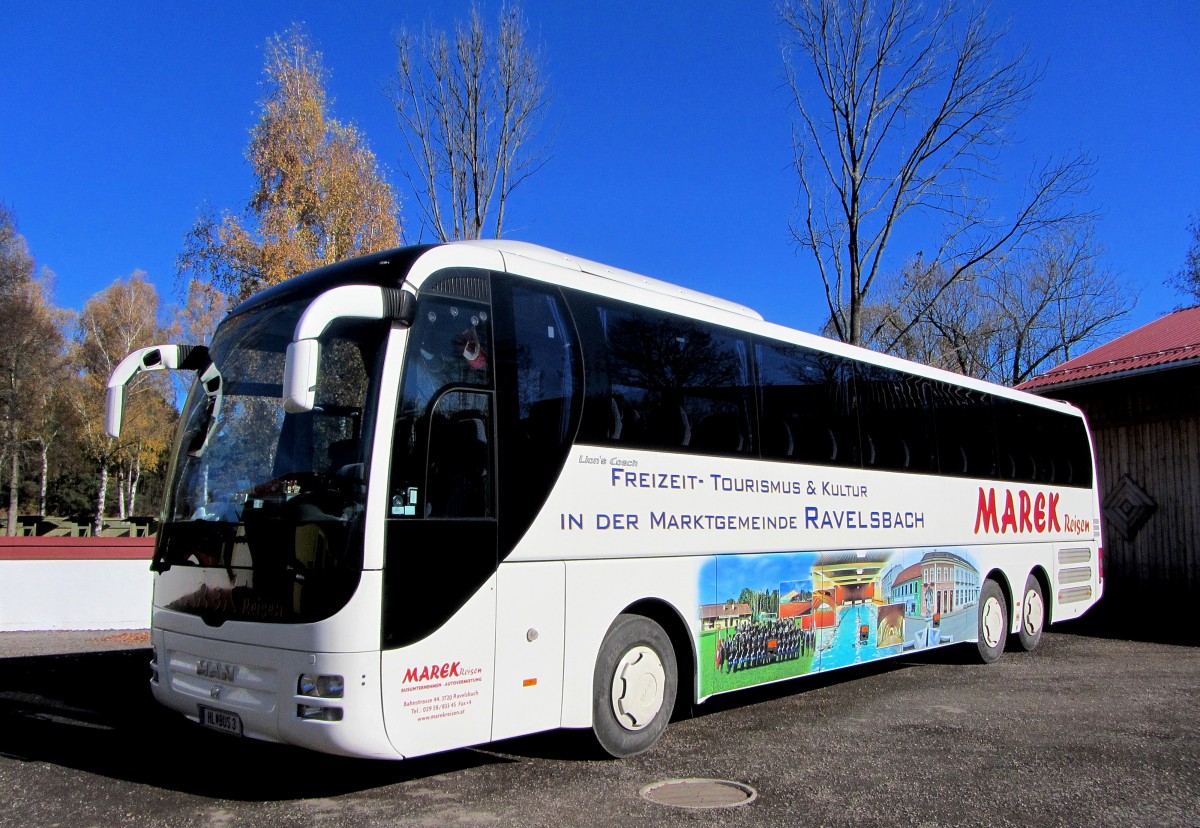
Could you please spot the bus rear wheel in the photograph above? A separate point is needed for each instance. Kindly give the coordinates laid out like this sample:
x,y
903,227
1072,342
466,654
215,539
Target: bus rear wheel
x,y
993,622
634,686
1033,614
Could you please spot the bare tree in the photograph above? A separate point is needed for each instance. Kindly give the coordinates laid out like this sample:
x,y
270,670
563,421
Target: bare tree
x,y
1010,320
901,112
1055,302
953,331
1187,280
469,108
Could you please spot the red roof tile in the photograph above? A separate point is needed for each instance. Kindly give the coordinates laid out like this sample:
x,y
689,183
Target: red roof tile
x,y
1173,338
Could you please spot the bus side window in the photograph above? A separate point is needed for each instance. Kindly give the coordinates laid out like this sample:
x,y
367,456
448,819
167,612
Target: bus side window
x,y
807,405
441,442
1020,441
674,383
539,399
896,413
966,435
548,375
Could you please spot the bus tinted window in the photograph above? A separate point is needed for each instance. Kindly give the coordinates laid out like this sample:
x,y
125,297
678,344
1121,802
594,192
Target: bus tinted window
x,y
1041,446
540,387
896,415
672,383
807,405
966,436
442,430
548,372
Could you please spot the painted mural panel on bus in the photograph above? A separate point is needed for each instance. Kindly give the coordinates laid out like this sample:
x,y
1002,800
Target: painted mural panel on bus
x,y
783,615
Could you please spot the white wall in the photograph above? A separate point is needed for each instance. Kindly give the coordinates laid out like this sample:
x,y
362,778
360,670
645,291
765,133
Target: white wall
x,y
75,595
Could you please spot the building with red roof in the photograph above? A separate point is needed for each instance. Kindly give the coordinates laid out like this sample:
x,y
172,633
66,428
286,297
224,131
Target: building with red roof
x,y
1165,344
1141,395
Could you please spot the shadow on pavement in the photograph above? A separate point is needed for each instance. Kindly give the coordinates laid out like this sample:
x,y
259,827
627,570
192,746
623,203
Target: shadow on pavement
x,y
94,712
1128,614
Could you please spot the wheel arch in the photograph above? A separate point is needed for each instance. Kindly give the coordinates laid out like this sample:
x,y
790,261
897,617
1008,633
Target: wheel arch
x,y
669,618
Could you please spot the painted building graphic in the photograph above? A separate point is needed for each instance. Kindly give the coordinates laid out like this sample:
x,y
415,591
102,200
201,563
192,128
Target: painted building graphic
x,y
724,616
782,615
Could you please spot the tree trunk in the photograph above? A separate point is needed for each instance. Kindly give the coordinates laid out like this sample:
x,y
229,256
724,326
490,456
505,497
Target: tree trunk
x,y
45,476
135,474
122,483
13,487
98,519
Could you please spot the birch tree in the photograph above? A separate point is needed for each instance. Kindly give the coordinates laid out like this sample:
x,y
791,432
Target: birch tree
x,y
114,322
469,107
901,111
319,196
31,359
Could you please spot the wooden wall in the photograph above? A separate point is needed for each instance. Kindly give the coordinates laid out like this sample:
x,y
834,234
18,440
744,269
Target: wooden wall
x,y
1148,427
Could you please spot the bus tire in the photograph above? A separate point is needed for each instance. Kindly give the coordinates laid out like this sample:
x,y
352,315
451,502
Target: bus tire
x,y
634,686
993,622
1033,614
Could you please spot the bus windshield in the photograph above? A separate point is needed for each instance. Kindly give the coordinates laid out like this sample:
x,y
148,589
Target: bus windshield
x,y
263,518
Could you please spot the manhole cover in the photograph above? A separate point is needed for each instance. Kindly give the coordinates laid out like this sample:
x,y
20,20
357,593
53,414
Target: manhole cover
x,y
699,793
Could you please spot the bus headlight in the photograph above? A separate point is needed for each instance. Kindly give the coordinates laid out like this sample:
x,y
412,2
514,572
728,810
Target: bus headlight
x,y
321,687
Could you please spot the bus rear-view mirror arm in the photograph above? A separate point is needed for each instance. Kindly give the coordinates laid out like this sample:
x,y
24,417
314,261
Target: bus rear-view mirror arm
x,y
154,358
346,302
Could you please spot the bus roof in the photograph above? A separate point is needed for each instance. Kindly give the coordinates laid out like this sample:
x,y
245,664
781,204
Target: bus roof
x,y
389,267
554,257
758,324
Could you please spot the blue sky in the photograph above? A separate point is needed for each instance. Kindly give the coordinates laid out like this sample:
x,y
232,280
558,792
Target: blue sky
x,y
669,127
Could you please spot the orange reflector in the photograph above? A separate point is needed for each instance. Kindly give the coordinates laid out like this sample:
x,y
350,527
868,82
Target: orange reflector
x,y
529,682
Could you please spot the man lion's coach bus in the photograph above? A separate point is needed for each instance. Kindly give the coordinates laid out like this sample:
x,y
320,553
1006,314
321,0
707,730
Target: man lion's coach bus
x,y
450,494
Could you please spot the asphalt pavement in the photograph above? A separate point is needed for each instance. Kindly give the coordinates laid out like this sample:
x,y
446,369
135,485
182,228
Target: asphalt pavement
x,y
1088,730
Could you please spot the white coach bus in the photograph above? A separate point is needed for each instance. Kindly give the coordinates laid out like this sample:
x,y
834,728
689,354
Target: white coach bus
x,y
451,494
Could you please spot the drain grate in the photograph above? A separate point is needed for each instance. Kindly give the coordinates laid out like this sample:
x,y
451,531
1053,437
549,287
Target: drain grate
x,y
699,793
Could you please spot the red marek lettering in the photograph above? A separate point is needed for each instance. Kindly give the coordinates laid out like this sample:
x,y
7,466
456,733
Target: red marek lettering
x,y
432,671
1009,519
1037,512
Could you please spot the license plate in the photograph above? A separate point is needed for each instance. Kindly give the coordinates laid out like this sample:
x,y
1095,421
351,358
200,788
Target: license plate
x,y
221,720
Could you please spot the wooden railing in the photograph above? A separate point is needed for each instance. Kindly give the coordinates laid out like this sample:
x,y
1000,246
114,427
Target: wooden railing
x,y
39,526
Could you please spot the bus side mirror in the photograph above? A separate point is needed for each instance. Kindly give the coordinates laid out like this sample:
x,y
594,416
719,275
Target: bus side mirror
x,y
300,376
154,358
301,364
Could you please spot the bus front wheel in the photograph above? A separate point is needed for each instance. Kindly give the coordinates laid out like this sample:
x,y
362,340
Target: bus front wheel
x,y
634,686
1033,614
993,621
